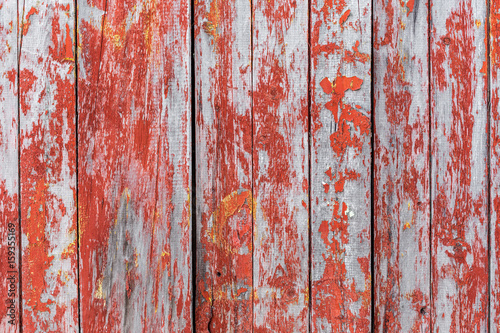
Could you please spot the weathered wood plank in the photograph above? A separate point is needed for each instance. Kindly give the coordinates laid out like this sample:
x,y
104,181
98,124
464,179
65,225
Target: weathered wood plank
x,y
280,166
401,172
494,62
48,165
224,166
9,177
134,165
459,166
341,165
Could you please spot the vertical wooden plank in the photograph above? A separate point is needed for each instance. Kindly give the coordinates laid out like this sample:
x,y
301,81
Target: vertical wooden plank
x,y
494,62
459,166
341,165
224,166
401,168
280,165
48,165
134,165
9,200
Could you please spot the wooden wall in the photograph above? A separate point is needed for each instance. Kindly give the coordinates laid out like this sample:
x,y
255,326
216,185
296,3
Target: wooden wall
x,y
249,166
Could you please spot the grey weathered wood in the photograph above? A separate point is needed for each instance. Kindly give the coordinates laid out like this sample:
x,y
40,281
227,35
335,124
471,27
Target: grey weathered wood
x,y
134,95
401,174
224,162
223,166
48,164
9,177
341,166
459,166
280,165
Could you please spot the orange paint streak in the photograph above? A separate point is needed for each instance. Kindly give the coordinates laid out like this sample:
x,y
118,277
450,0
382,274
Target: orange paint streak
x,y
229,206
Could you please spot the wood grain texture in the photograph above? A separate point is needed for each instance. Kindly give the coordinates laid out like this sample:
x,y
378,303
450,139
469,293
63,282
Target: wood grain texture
x,y
494,63
9,177
459,166
290,170
134,107
48,166
224,166
280,166
401,173
341,165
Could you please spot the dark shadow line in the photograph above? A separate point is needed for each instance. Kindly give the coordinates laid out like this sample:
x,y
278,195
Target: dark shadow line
x,y
429,103
253,208
193,169
488,145
19,187
77,169
372,173
309,153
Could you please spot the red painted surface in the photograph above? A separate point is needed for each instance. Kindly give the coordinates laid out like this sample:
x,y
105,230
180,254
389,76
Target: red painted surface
x,y
340,157
9,182
287,134
459,179
134,166
225,201
280,166
401,169
48,165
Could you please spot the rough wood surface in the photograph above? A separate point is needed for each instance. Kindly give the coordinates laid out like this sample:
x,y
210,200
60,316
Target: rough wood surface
x,y
280,166
134,103
223,75
340,165
48,166
320,205
401,167
459,166
9,178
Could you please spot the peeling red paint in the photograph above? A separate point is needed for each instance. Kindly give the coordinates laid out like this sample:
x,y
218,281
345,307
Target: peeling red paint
x,y
134,179
230,246
252,265
37,250
9,249
344,16
27,22
401,169
48,165
338,89
329,173
411,5
494,63
339,303
459,206
9,198
280,113
224,271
